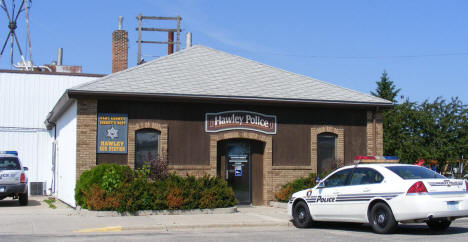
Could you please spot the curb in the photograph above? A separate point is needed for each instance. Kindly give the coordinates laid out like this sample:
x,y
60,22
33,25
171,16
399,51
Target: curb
x,y
208,226
86,212
162,227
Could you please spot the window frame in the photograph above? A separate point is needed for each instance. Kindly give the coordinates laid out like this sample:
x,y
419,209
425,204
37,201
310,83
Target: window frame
x,y
157,148
335,149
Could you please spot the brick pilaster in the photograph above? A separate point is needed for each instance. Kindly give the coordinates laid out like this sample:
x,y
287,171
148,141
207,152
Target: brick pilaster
x,y
378,133
86,135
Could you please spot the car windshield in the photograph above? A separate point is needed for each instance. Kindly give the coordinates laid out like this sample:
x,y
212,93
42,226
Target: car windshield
x,y
415,172
9,163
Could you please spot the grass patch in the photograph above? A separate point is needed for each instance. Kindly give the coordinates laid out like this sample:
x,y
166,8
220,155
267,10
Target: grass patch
x,y
50,201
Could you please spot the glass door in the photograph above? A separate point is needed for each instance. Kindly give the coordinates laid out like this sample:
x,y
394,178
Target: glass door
x,y
238,170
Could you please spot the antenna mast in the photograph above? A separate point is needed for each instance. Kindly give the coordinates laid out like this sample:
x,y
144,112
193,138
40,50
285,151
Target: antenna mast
x,y
170,34
12,25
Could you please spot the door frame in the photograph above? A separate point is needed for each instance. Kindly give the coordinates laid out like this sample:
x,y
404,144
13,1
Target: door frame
x,y
266,190
223,150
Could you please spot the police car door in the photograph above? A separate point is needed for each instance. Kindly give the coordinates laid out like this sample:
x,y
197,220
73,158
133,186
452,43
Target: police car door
x,y
363,186
323,204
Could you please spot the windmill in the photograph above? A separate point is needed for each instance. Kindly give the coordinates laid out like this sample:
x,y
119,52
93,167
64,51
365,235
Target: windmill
x,y
12,16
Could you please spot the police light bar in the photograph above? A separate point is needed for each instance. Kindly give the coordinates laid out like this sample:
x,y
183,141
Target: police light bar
x,y
9,152
375,159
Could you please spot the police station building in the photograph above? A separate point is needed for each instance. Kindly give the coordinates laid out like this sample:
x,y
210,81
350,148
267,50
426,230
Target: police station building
x,y
212,113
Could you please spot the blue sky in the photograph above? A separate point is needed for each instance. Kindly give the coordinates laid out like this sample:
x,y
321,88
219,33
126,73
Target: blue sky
x,y
423,45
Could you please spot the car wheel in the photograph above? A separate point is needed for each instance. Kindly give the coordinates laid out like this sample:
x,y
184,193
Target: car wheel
x,y
382,219
23,199
438,225
301,215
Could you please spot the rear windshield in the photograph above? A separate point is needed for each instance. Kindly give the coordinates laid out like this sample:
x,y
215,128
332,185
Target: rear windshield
x,y
9,163
415,172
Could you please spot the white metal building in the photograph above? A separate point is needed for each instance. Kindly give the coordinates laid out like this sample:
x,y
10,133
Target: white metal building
x,y
25,101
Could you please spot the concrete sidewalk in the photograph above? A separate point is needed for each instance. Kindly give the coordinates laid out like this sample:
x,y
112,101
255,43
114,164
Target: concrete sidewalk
x,y
38,218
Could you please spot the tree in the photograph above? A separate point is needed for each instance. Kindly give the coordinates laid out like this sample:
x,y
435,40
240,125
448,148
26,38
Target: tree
x,y
386,89
434,130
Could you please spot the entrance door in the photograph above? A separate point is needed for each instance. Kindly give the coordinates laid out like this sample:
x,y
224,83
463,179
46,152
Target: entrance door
x,y
238,167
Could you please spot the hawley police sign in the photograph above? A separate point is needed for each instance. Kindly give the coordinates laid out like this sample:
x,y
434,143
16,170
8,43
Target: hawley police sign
x,y
233,120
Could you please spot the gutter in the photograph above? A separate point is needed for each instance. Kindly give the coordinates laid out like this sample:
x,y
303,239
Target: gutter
x,y
60,107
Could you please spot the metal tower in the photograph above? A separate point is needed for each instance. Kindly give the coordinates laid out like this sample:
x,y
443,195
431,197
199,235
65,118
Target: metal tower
x,y
12,14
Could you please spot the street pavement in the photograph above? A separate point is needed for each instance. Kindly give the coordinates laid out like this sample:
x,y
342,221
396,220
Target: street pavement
x,y
38,222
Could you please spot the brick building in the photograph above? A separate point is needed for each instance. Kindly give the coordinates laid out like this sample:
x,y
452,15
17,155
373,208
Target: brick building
x,y
210,112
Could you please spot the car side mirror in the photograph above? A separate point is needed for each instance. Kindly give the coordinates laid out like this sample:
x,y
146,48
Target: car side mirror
x,y
25,168
321,185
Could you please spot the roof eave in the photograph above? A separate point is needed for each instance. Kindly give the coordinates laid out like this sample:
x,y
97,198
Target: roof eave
x,y
60,107
81,93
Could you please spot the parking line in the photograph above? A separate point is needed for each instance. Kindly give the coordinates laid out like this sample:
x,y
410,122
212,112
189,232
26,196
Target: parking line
x,y
102,229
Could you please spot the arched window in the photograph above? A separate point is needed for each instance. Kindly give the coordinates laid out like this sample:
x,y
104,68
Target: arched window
x,y
326,152
146,146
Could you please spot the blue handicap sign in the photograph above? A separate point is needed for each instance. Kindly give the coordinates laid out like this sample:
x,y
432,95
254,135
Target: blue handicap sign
x,y
238,172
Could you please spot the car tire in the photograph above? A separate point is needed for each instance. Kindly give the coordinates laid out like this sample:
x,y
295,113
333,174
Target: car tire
x,y
438,225
301,215
23,199
381,219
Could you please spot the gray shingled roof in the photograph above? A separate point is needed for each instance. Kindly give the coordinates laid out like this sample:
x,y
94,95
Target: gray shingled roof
x,y
200,71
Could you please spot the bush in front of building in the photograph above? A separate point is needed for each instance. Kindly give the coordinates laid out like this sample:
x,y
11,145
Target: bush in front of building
x,y
106,177
299,184
138,191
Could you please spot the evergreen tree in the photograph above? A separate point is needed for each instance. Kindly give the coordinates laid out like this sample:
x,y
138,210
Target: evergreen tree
x,y
386,89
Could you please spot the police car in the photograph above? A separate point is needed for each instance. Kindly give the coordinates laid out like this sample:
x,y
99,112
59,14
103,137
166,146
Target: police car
x,y
13,179
382,192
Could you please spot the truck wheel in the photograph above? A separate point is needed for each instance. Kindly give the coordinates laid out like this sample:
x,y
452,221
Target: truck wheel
x,y
23,199
301,215
438,225
382,219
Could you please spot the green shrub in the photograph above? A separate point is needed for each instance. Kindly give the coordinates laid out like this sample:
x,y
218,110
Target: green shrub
x,y
111,187
107,177
299,184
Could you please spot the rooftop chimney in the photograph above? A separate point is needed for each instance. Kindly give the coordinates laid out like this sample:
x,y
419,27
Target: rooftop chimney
x,y
59,56
170,42
188,40
119,48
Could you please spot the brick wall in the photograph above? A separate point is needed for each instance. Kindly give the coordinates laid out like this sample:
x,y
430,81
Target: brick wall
x,y
119,50
86,135
378,133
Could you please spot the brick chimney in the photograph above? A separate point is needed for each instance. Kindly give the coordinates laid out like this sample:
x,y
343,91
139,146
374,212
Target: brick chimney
x,y
119,48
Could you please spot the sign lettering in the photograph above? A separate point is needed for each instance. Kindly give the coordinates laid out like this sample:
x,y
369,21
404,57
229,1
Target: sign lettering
x,y
232,120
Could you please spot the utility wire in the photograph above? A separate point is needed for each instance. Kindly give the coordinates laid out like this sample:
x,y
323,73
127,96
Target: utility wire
x,y
363,57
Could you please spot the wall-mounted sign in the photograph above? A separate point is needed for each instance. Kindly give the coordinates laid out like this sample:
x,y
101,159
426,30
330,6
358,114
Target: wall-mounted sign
x,y
238,171
112,129
232,120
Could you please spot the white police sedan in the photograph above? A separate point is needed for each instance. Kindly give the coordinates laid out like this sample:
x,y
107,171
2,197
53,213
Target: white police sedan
x,y
382,193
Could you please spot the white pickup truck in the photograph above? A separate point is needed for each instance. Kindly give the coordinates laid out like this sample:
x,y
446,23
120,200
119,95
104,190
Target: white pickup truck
x,y
13,179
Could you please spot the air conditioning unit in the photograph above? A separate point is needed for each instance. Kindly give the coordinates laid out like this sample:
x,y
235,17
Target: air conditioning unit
x,y
37,188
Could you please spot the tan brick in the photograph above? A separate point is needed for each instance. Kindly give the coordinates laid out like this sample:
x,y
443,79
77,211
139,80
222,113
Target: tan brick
x,y
86,135
378,133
